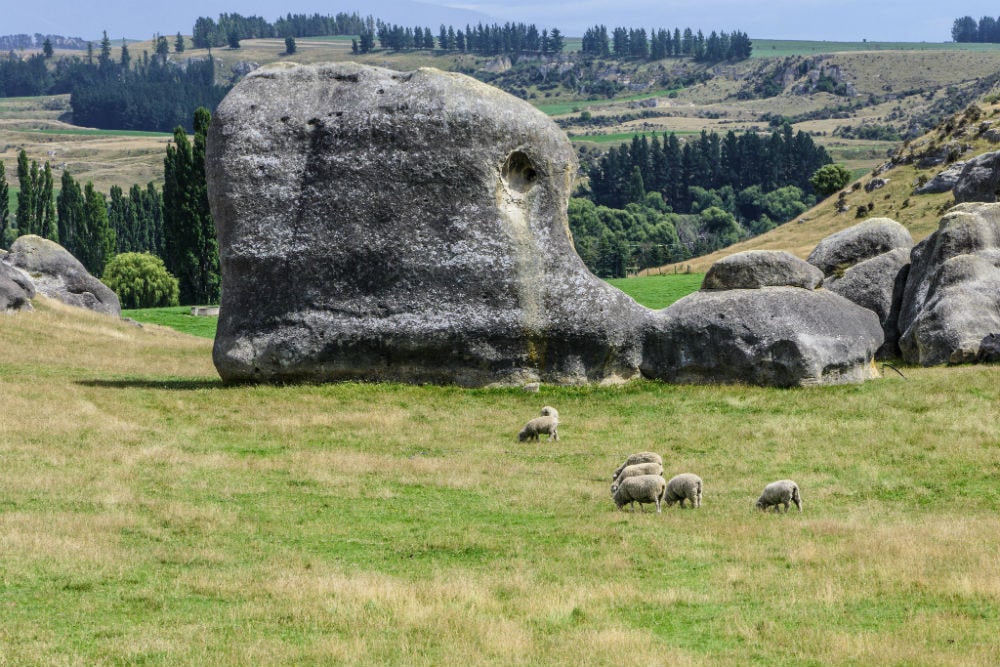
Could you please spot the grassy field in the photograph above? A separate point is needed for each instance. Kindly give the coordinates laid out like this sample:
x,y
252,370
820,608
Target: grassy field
x,y
780,48
150,515
178,318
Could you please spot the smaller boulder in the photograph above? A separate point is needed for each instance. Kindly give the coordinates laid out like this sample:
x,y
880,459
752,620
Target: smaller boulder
x,y
865,240
58,275
755,269
776,336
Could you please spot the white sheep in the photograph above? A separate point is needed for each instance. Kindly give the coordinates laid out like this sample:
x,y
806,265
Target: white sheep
x,y
641,489
639,457
636,469
545,424
549,411
686,486
783,492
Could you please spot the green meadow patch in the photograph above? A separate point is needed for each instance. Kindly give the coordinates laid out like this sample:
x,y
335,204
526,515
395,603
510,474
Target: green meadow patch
x,y
150,514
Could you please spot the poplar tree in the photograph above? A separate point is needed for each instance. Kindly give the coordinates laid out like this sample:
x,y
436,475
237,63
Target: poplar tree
x,y
4,205
191,250
25,197
97,240
72,212
45,207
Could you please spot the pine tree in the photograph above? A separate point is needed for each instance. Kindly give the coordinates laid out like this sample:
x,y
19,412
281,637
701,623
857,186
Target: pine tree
x,y
179,44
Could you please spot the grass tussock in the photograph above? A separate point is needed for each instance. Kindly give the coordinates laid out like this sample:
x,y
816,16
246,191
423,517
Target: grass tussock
x,y
151,515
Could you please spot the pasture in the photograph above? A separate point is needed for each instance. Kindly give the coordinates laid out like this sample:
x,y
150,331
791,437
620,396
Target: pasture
x,y
150,515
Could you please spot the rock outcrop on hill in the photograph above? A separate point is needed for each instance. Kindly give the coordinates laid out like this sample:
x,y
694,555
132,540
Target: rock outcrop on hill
x,y
868,264
979,180
760,320
951,305
397,226
54,272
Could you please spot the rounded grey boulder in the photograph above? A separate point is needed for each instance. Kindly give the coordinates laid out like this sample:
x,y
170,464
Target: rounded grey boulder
x,y
754,269
58,275
411,227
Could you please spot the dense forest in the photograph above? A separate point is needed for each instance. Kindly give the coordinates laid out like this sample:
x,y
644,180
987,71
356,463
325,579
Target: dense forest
x,y
661,199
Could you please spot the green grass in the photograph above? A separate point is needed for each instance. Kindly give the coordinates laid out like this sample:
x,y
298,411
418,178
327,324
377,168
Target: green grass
x,y
150,515
659,291
177,317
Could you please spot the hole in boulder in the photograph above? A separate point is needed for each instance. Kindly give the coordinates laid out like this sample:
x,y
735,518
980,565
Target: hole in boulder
x,y
519,173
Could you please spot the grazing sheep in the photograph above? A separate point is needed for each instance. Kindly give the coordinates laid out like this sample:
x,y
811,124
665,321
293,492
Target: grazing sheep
x,y
549,411
642,489
640,457
651,468
539,425
783,492
686,486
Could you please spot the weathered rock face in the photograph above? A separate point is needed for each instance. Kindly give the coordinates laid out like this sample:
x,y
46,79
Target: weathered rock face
x,y
16,289
951,305
402,226
776,336
58,275
754,269
877,284
868,264
979,180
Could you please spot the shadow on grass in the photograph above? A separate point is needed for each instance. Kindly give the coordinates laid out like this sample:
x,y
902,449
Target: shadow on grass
x,y
173,384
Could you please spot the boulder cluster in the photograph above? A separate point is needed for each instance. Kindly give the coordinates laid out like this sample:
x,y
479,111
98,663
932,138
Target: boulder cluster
x,y
35,265
412,227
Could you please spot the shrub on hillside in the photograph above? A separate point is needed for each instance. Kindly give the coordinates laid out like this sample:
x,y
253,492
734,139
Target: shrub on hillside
x,y
141,281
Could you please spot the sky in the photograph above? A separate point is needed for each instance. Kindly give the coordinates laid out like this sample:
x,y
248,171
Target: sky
x,y
840,20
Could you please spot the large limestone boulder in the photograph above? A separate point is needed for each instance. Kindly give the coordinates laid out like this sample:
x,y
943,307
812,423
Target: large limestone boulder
x,y
868,264
16,289
402,226
754,269
56,274
951,305
774,336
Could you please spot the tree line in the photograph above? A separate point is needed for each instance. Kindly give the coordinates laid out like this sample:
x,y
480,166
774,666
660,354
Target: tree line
x,y
634,43
660,199
208,32
487,40
985,30
175,225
